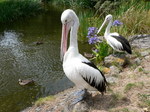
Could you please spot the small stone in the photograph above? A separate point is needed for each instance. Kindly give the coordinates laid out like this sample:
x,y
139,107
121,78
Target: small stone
x,y
38,109
147,57
106,70
114,70
111,79
144,53
145,109
88,55
137,61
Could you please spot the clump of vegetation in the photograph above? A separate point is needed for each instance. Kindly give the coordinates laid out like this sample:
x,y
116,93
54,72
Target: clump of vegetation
x,y
102,50
41,101
136,21
14,9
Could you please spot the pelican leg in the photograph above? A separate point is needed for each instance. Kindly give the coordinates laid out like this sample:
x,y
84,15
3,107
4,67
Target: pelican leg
x,y
114,53
79,96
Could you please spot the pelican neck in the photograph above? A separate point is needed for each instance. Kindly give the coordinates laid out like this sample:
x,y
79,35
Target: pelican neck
x,y
73,37
107,31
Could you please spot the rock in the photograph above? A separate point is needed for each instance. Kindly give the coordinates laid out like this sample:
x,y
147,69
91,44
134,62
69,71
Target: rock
x,y
88,55
38,109
145,109
114,70
81,107
137,61
106,70
138,69
144,53
111,79
147,57
118,61
140,41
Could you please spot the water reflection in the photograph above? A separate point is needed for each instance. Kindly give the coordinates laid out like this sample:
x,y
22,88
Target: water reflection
x,y
10,41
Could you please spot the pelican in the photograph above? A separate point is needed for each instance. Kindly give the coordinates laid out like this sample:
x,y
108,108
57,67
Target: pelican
x,y
116,41
83,73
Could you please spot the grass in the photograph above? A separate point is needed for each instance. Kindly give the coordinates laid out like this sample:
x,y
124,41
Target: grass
x,y
15,9
74,3
135,16
42,101
135,21
130,86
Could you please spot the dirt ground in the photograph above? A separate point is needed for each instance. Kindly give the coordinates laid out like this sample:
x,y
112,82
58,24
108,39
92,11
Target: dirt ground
x,y
129,93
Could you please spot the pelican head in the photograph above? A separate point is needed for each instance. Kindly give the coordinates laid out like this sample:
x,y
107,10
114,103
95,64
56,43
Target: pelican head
x,y
68,19
107,19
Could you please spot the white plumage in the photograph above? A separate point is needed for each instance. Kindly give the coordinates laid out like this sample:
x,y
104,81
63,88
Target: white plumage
x,y
76,67
116,41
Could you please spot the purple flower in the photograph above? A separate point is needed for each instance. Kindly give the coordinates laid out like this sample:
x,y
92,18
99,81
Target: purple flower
x,y
93,40
92,31
117,23
92,35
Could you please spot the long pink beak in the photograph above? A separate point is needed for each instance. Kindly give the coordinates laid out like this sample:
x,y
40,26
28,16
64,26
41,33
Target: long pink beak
x,y
64,38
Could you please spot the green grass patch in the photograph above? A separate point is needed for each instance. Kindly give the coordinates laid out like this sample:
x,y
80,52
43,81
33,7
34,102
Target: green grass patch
x,y
42,101
130,86
15,9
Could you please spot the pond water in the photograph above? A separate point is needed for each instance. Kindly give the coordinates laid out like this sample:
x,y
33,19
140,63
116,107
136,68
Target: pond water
x,y
20,57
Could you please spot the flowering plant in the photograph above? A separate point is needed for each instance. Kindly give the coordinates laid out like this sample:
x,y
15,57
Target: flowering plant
x,y
92,35
101,49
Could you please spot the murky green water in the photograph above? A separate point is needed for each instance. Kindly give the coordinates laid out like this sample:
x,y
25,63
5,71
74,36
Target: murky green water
x,y
21,58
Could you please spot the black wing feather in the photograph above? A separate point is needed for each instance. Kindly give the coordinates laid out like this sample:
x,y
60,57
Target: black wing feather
x,y
101,86
124,42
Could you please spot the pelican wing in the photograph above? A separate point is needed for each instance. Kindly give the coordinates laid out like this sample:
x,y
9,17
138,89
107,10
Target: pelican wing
x,y
93,76
124,42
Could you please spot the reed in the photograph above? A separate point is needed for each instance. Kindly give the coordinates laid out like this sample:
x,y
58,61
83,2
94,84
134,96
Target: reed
x,y
135,21
75,3
84,18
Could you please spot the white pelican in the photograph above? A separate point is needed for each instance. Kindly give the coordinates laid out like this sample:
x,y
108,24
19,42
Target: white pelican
x,y
116,41
83,73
